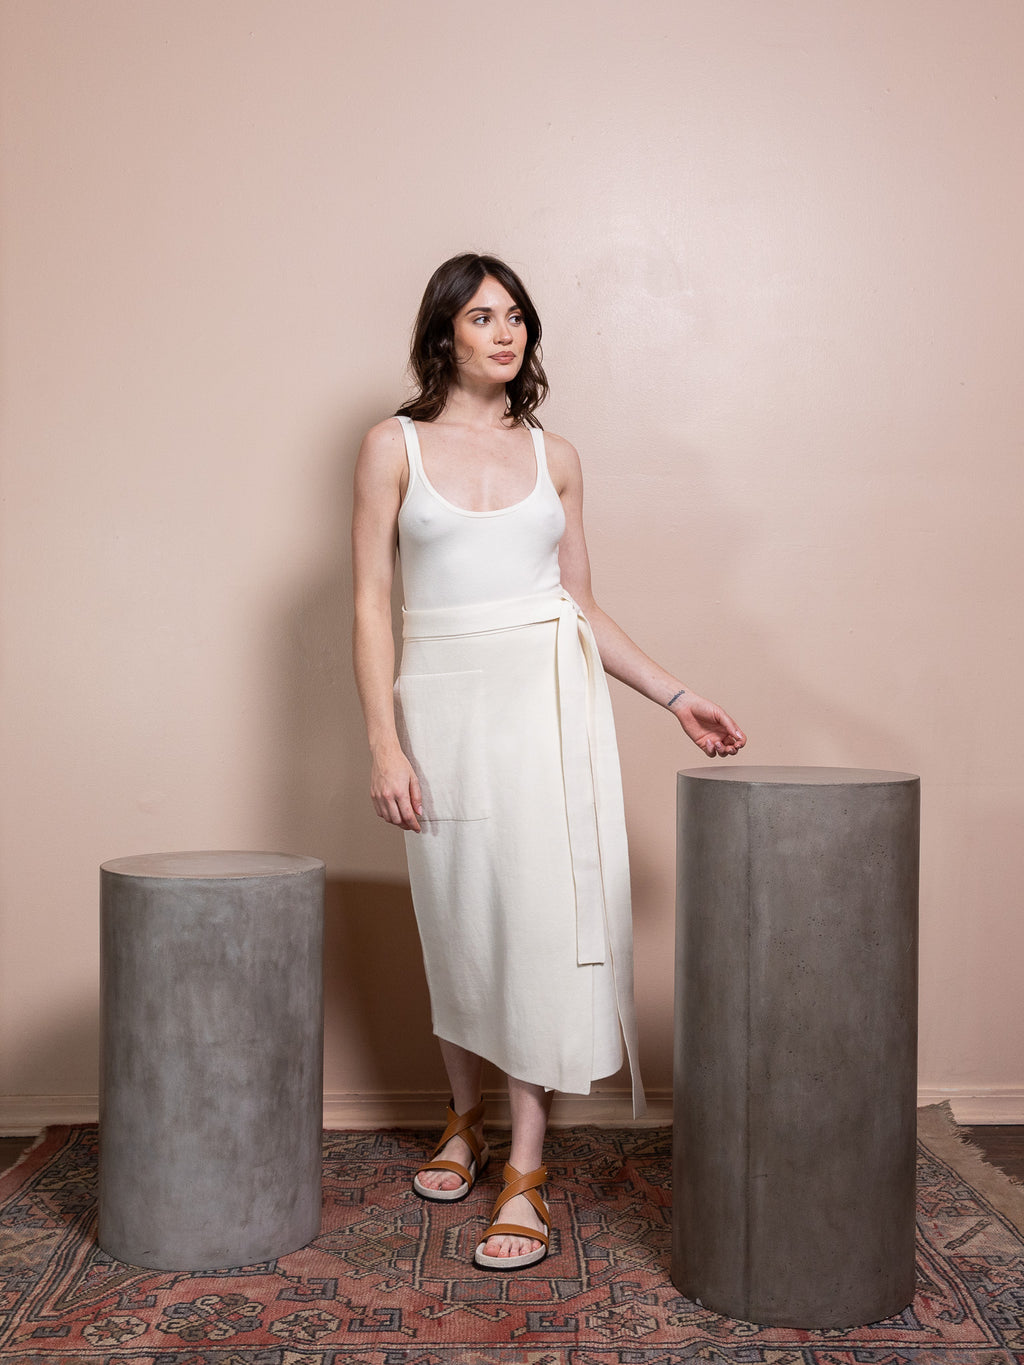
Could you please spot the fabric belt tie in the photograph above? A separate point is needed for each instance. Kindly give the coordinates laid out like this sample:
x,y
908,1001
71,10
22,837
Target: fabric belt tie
x,y
589,756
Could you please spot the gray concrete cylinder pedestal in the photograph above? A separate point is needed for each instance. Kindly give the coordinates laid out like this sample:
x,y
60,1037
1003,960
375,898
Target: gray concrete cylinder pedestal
x,y
211,1086
796,1044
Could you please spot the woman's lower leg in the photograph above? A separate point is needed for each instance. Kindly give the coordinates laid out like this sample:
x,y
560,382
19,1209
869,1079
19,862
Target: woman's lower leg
x,y
465,1071
530,1106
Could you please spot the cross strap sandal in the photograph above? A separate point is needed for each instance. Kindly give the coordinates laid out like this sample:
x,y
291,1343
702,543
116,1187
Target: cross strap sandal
x,y
515,1183
459,1125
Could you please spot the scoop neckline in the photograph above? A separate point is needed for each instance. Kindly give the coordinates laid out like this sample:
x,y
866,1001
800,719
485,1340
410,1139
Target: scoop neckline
x,y
467,511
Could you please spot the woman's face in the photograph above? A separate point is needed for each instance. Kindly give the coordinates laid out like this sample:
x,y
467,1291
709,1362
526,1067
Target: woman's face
x,y
490,335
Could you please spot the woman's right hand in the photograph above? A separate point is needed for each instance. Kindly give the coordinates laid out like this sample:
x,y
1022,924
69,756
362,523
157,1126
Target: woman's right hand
x,y
395,790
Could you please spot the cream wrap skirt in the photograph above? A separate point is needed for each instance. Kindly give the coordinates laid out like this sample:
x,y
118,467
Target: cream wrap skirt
x,y
520,876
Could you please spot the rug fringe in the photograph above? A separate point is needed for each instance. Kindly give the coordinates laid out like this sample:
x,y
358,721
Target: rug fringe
x,y
941,1134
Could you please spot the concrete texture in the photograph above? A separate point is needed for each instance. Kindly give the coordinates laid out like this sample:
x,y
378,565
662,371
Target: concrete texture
x,y
211,1057
796,1043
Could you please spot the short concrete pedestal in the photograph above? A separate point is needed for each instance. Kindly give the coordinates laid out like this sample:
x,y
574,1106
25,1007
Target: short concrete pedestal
x,y
211,1087
796,1044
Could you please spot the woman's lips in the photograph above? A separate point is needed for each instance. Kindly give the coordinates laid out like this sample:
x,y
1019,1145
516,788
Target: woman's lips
x,y
504,357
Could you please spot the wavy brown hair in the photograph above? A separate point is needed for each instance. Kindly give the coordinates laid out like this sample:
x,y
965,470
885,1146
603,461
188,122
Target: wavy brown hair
x,y
432,357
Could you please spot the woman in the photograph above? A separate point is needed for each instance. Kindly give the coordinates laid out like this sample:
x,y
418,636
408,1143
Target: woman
x,y
495,751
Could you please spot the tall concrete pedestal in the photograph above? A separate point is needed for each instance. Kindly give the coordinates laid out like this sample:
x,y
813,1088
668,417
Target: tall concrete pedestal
x,y
796,1043
211,1088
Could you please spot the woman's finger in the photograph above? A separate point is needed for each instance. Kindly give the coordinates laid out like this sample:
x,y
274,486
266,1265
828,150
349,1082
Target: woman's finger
x,y
408,815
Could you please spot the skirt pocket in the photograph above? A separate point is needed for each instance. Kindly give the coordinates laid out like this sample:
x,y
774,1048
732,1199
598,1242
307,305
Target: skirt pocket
x,y
441,729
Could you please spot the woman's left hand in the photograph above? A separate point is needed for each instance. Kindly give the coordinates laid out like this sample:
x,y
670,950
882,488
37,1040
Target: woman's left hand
x,y
710,728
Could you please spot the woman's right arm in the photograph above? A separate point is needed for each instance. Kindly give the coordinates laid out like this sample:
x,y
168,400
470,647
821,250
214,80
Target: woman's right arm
x,y
380,468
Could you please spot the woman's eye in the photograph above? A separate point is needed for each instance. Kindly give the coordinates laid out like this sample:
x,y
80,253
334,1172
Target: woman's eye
x,y
517,319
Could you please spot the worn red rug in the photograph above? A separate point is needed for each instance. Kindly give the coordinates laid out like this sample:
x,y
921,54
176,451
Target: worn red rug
x,y
390,1280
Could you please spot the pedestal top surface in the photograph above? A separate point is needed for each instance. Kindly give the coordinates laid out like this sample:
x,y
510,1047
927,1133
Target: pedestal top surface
x,y
212,864
801,777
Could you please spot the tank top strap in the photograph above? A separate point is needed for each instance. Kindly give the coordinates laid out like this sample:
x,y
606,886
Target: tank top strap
x,y
540,450
412,452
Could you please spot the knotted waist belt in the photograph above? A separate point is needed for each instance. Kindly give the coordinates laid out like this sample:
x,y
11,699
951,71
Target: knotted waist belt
x,y
590,764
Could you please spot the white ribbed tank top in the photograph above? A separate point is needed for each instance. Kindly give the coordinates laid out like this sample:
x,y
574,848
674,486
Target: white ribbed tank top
x,y
452,557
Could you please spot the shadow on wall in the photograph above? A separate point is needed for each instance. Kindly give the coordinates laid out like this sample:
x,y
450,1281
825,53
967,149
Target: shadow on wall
x,y
64,1046
375,992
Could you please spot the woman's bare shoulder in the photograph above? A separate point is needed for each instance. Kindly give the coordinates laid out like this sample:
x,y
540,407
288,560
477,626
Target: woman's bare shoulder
x,y
563,459
384,436
381,466
559,447
383,446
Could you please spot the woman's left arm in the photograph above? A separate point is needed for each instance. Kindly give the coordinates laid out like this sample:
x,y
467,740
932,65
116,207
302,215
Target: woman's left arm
x,y
710,728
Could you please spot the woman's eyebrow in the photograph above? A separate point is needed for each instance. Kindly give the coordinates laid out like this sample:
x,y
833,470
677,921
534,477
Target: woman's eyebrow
x,y
486,308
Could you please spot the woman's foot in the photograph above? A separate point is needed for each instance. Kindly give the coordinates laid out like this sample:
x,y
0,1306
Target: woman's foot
x,y
507,1243
457,1159
518,1210
457,1150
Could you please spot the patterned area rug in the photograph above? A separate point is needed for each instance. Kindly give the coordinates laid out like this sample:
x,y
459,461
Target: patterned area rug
x,y
390,1279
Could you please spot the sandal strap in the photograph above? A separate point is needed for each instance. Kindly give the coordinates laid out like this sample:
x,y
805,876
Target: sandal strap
x,y
443,1165
461,1125
516,1183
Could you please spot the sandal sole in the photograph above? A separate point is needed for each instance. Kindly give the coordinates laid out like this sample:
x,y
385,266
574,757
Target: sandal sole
x,y
509,1262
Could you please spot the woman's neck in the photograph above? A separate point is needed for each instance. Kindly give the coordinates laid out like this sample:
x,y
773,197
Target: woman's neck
x,y
476,407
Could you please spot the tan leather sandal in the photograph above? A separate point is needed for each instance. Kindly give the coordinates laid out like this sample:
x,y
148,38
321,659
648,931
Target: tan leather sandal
x,y
525,1185
459,1125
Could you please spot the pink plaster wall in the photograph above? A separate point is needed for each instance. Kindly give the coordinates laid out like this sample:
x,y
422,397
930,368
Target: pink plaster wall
x,y
777,251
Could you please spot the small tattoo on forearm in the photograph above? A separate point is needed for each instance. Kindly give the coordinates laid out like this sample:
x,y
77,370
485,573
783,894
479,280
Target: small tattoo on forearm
x,y
680,693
